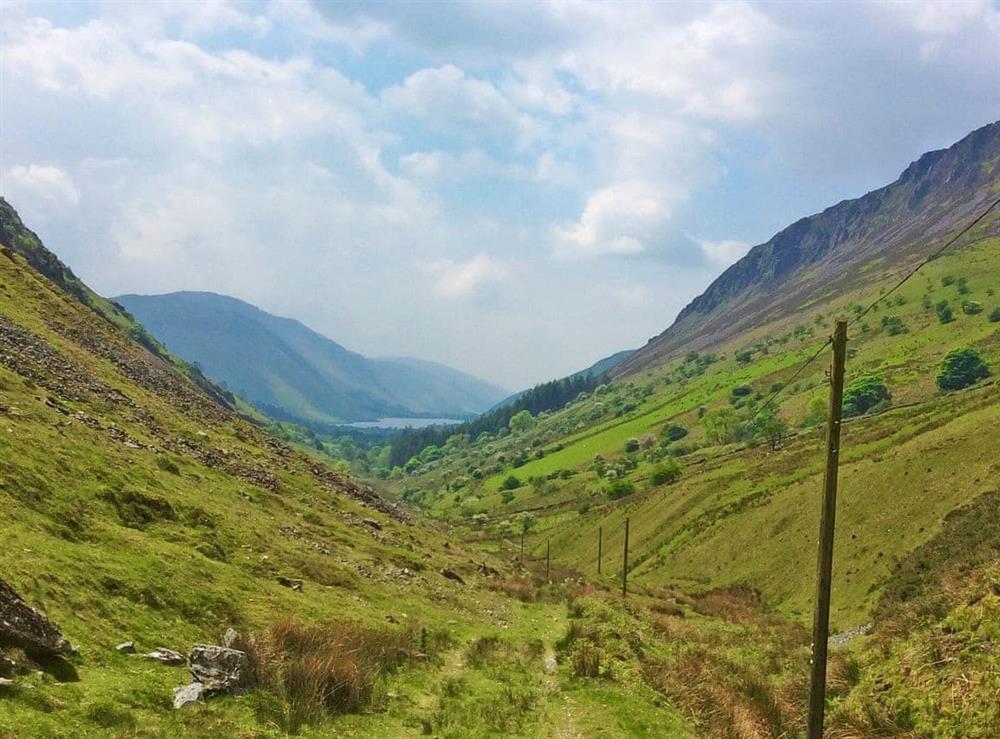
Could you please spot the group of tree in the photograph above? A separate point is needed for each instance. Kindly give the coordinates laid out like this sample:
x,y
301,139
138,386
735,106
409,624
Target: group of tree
x,y
516,416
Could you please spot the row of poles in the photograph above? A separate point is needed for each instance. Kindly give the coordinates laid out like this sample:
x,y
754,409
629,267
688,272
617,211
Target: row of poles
x,y
824,565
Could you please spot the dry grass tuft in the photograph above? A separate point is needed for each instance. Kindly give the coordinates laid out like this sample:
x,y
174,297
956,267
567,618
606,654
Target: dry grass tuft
x,y
313,670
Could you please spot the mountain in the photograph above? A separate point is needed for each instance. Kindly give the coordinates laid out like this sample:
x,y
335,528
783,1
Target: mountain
x,y
831,252
600,367
293,373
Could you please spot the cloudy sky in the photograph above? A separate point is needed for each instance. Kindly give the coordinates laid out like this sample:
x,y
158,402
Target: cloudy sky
x,y
515,189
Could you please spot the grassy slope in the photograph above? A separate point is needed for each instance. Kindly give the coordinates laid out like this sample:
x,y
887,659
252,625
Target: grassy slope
x,y
130,511
750,516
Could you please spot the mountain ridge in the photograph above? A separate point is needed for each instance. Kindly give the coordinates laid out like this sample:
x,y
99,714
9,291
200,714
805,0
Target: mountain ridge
x,y
822,253
295,373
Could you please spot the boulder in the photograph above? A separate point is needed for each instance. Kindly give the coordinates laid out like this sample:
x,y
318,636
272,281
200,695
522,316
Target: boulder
x,y
218,669
166,656
290,582
126,647
372,523
452,575
187,695
23,626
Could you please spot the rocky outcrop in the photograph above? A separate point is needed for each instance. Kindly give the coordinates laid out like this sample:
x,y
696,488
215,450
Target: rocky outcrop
x,y
215,671
23,626
166,656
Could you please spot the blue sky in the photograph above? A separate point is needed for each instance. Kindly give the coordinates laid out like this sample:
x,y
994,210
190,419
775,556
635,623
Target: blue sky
x,y
514,189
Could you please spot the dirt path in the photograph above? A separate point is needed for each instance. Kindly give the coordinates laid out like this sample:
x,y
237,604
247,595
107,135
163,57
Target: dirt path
x,y
560,707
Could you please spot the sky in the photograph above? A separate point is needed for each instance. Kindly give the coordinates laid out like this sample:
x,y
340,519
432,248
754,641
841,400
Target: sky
x,y
513,189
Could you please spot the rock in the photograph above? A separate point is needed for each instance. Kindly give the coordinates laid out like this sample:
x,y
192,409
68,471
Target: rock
x,y
218,669
7,665
290,582
166,656
126,647
187,695
23,626
372,523
5,682
452,575
230,638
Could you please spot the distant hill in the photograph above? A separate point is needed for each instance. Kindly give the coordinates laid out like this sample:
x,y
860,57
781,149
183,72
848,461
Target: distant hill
x,y
600,367
293,373
834,251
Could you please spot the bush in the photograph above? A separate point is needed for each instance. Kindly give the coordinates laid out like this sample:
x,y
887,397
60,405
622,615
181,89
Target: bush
x,y
631,445
971,307
673,432
741,391
816,412
620,488
995,315
511,483
665,472
944,312
961,368
894,325
864,394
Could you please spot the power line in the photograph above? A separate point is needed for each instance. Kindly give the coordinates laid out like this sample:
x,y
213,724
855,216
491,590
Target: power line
x,y
927,260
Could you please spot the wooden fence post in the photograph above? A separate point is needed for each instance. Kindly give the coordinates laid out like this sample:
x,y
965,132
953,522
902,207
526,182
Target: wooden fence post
x,y
548,552
600,547
828,513
625,564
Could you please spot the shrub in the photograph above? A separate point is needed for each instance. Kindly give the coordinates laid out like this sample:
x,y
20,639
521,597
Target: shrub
x,y
584,507
816,412
971,307
620,488
674,432
167,465
507,496
961,368
511,483
894,325
962,285
865,393
947,280
586,661
631,445
995,315
741,391
665,472
944,312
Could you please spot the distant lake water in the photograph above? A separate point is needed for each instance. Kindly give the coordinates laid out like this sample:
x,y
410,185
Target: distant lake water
x,y
404,423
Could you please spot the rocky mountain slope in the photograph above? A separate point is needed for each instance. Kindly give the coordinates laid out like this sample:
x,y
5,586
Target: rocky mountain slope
x,y
293,373
841,248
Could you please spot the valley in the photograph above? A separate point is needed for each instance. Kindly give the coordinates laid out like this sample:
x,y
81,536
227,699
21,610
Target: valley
x,y
461,593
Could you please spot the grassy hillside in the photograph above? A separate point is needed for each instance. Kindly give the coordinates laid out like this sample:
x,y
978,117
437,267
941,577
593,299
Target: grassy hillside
x,y
136,506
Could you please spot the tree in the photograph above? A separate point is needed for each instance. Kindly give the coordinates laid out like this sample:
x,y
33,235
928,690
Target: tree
x,y
511,483
961,368
815,412
665,472
721,426
944,312
631,445
521,421
770,427
865,393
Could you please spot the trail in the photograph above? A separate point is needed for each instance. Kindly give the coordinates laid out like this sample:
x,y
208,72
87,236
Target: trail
x,y
560,708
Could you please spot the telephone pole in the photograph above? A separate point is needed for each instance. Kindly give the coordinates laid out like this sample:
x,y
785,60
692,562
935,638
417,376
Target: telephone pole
x,y
828,513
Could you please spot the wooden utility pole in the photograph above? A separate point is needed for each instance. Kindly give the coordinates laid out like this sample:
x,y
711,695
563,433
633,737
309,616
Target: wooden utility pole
x,y
625,564
600,547
548,553
828,513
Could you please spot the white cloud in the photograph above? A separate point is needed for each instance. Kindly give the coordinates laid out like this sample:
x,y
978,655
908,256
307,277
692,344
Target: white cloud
x,y
618,219
43,181
449,100
723,253
461,280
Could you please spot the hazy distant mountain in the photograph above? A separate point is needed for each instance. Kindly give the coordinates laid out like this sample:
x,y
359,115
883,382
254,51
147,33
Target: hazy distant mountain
x,y
832,251
291,372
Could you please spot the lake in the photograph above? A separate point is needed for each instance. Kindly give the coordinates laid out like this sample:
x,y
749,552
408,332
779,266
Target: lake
x,y
404,423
